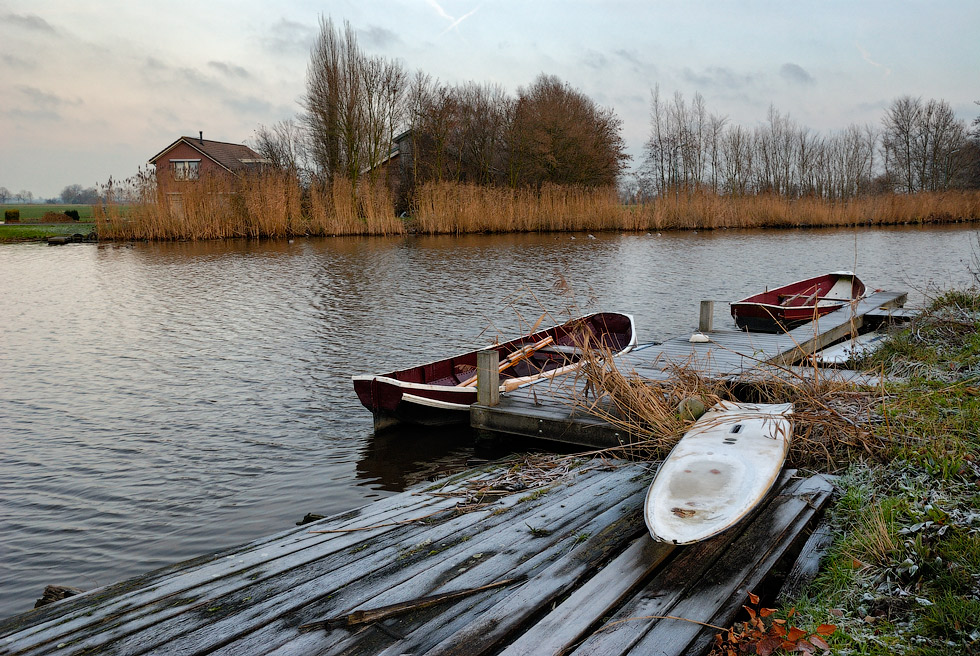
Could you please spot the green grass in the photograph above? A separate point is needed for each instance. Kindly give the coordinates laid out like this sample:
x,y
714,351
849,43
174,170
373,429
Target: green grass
x,y
32,211
40,231
903,575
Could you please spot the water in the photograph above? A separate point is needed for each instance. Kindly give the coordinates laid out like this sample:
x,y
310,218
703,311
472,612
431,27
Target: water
x,y
162,401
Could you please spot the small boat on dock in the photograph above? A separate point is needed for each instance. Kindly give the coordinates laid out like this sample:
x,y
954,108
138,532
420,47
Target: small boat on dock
x,y
794,304
719,471
441,392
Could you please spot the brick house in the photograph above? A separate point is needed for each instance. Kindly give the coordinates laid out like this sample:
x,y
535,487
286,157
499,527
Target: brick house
x,y
191,158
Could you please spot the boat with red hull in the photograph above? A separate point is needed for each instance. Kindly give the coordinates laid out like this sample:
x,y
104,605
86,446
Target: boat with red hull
x,y
441,392
797,303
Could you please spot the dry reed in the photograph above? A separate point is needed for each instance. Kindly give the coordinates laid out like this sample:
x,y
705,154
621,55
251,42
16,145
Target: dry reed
x,y
832,421
276,204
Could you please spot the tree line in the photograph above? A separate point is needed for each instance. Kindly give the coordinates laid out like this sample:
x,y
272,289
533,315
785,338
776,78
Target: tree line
x,y
357,104
71,195
919,146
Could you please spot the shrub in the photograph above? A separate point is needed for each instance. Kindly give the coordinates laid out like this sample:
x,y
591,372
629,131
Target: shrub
x,y
72,214
53,217
11,216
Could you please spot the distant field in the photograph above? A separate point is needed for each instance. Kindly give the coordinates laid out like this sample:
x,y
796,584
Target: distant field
x,y
16,232
37,211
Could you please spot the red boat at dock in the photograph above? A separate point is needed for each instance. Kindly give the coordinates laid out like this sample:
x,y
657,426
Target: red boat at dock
x,y
441,392
797,303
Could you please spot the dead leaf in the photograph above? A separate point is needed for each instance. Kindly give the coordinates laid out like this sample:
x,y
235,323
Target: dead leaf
x,y
826,629
819,642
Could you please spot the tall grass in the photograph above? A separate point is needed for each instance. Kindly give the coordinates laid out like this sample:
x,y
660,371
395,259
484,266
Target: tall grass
x,y
276,204
273,204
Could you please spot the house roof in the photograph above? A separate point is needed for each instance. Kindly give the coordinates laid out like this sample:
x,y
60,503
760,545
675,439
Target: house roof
x,y
230,156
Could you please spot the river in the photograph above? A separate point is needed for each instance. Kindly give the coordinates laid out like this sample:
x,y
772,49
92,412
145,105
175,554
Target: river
x,y
162,401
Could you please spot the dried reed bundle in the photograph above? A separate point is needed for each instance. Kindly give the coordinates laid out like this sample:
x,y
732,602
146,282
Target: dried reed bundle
x,y
833,422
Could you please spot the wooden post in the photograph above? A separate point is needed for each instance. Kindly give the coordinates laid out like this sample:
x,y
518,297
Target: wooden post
x,y
706,322
487,377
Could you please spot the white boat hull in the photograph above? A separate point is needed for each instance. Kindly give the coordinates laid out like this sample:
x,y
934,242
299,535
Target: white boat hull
x,y
719,471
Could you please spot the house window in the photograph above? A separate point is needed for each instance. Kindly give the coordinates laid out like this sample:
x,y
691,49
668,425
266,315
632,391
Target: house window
x,y
186,169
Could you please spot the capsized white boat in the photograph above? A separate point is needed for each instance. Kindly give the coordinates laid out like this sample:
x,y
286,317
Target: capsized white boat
x,y
719,471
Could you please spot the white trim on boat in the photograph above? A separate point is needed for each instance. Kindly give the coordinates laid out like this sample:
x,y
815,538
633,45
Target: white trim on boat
x,y
434,403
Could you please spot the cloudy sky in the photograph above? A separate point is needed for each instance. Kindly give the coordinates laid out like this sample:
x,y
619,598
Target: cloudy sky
x,y
91,89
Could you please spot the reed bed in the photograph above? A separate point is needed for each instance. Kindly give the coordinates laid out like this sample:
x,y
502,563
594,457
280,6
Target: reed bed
x,y
452,208
276,204
706,210
273,204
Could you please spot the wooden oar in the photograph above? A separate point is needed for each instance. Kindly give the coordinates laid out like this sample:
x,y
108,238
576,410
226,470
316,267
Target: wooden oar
x,y
520,354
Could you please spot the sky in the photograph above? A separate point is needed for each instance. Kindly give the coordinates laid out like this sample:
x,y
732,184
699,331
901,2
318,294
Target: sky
x,y
91,89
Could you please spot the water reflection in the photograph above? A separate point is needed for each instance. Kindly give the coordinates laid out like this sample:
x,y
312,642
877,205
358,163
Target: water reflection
x,y
160,401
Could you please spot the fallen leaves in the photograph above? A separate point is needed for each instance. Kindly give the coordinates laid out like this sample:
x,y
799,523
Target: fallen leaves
x,y
764,634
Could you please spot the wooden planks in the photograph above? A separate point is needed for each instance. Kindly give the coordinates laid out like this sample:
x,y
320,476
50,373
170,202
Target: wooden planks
x,y
578,547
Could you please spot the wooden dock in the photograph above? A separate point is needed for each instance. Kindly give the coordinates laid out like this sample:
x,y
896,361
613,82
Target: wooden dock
x,y
551,409
572,544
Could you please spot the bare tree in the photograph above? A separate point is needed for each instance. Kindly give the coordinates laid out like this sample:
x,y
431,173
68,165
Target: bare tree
x,y
922,144
283,144
352,103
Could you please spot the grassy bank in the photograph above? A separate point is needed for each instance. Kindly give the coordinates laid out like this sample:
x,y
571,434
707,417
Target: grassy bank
x,y
903,576
14,232
276,205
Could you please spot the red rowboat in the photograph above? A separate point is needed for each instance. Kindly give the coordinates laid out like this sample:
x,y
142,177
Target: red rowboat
x,y
797,303
441,392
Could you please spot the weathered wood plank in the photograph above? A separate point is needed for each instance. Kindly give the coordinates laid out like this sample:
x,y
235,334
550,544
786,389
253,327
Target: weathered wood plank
x,y
564,626
721,594
269,618
249,565
484,629
530,555
807,563
164,592
698,572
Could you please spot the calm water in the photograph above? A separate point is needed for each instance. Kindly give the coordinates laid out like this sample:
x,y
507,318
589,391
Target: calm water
x,y
158,402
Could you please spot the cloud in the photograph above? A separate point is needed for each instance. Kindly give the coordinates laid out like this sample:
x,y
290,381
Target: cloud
x,y
27,22
229,70
796,73
289,37
248,105
718,77
634,60
14,62
596,60
44,100
34,104
379,38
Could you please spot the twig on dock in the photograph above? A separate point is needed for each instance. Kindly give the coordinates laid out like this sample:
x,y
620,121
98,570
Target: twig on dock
x,y
402,521
384,612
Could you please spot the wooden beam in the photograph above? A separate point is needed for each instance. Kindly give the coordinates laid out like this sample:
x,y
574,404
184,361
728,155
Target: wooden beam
x,y
834,326
487,377
706,321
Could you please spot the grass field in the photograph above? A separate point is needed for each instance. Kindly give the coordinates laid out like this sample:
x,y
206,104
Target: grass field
x,y
17,232
33,211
